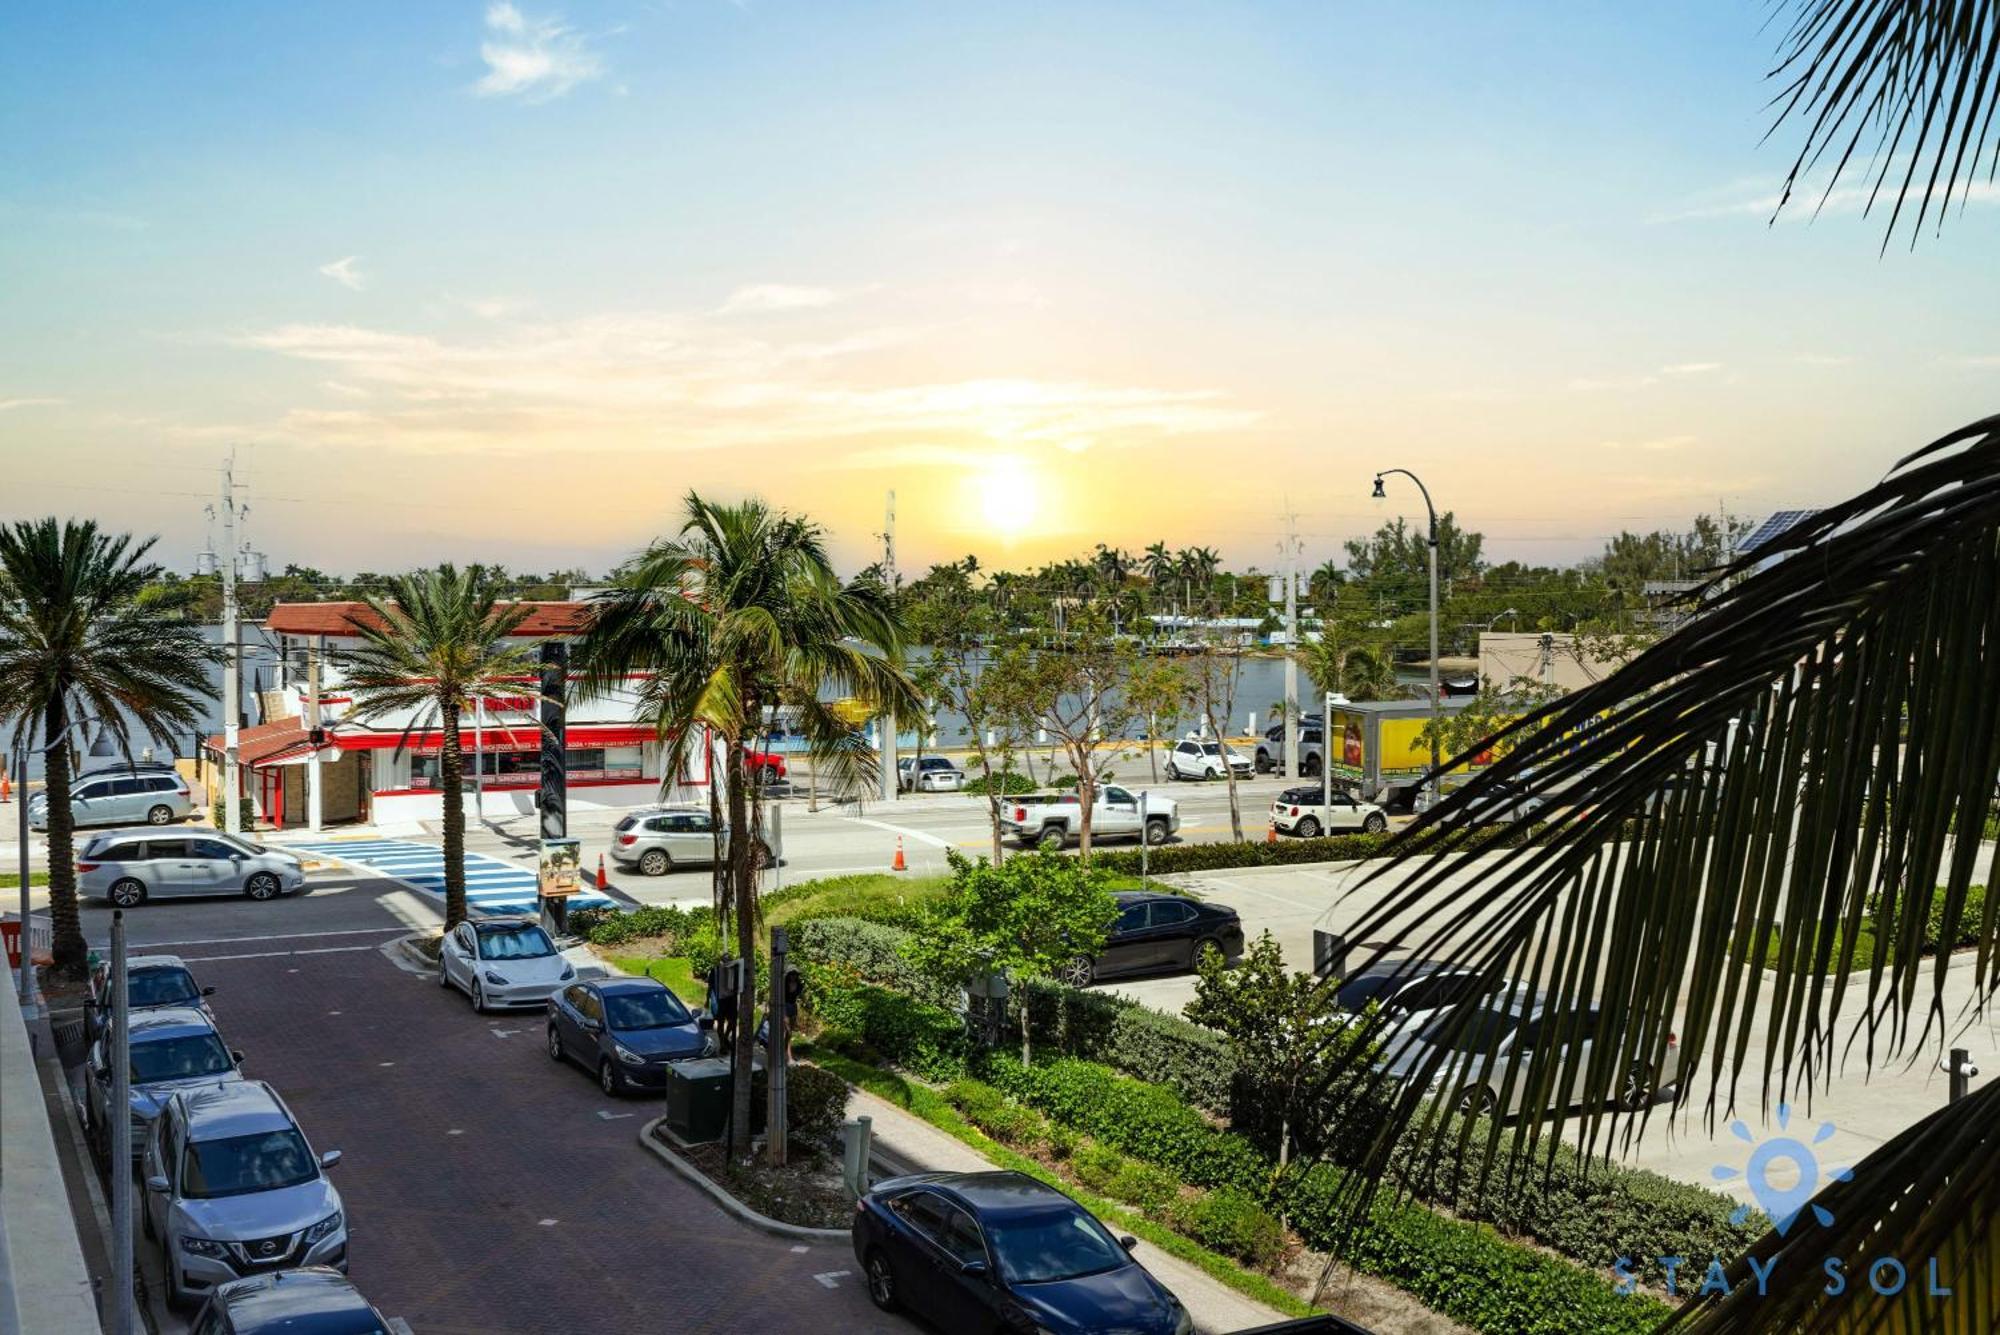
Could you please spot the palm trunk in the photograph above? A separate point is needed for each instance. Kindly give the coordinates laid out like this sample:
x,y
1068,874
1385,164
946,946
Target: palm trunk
x,y
451,774
69,950
745,893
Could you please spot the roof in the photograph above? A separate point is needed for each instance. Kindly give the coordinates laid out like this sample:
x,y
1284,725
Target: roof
x,y
1780,523
266,741
137,962
234,1108
616,986
512,923
316,1300
339,619
1001,1193
168,1022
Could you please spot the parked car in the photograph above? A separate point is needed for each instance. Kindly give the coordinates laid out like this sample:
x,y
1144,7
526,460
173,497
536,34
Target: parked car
x,y
313,1300
1306,812
1051,820
129,867
928,774
1408,992
626,1030
234,1190
1312,749
172,1048
765,766
1204,760
1501,804
655,840
1520,1028
501,962
1002,1252
153,797
1159,931
151,981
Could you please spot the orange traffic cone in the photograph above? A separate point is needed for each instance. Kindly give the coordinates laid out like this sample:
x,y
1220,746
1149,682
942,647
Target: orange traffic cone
x,y
6,788
899,864
602,883
1270,834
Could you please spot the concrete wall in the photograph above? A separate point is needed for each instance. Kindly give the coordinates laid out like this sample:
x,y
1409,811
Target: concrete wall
x,y
45,1288
1506,655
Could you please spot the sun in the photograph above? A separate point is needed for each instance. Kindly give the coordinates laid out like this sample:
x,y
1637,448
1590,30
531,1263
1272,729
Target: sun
x,y
1007,498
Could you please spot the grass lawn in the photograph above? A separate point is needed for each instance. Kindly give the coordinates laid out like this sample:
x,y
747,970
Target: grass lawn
x,y
864,895
674,971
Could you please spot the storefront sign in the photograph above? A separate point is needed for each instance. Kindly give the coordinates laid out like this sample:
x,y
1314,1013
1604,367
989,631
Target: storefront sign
x,y
562,868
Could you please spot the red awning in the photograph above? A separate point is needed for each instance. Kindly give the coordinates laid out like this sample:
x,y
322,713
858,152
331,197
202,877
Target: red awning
x,y
510,738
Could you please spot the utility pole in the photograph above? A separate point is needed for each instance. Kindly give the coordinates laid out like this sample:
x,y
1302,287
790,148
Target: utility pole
x,y
888,720
775,1059
232,664
315,795
1292,649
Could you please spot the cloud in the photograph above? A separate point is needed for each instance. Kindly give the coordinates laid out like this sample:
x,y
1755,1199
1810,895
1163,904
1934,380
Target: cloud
x,y
1760,197
1980,360
1675,371
777,297
1690,368
533,59
9,405
344,390
343,272
1657,445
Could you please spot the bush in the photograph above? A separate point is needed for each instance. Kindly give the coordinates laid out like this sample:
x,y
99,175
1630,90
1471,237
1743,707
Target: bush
x,y
612,927
1007,781
217,815
1142,1185
1284,853
815,1103
869,952
989,1110
1096,1026
875,896
1096,1165
1231,1222
927,1040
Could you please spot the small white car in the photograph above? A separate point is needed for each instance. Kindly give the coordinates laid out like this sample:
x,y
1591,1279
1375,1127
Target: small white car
x,y
501,962
1305,812
928,774
1191,759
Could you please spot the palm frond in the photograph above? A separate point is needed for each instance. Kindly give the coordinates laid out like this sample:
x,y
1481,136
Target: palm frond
x,y
1804,766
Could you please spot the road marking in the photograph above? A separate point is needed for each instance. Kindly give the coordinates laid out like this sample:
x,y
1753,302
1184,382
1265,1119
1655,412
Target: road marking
x,y
832,1278
275,954
610,1116
385,1063
455,1131
802,1248
505,1033
280,936
903,830
546,1223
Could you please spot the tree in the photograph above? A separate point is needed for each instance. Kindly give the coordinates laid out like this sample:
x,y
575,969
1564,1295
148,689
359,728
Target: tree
x,y
1835,697
430,644
1025,918
961,630
1632,560
1288,1034
1076,692
1397,557
1157,564
89,634
1159,690
739,611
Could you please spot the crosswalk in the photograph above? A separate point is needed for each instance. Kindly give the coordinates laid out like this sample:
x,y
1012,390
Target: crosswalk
x,y
492,886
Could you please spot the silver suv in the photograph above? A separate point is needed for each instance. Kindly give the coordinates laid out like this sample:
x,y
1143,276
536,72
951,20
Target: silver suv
x,y
173,1048
658,839
129,867
234,1190
120,799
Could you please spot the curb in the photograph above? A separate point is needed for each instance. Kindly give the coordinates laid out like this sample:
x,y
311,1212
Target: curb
x,y
797,1232
406,946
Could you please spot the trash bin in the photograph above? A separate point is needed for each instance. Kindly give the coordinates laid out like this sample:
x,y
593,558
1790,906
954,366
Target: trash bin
x,y
698,1099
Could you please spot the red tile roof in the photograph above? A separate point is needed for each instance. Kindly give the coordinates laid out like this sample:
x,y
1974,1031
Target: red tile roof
x,y
265,740
339,619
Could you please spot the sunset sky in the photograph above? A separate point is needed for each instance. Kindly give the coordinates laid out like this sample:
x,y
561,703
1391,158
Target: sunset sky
x,y
468,281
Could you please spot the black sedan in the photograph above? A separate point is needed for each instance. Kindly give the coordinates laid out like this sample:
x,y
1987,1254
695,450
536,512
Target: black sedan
x,y
626,1030
1001,1252
1156,932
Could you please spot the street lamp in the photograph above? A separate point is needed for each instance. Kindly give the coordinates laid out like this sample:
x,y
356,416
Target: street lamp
x,y
1381,494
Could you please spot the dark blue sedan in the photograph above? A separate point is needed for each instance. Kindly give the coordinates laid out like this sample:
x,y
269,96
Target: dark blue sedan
x,y
1001,1252
626,1030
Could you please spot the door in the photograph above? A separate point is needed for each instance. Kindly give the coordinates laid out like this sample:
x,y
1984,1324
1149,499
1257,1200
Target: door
x,y
456,956
1117,813
968,1301
1343,813
690,837
170,868
161,1159
1170,933
924,1267
568,1012
1125,949
216,865
93,804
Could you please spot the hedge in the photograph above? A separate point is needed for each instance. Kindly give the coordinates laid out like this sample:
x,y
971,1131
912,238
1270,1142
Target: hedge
x,y
928,1040
870,952
1285,852
815,1103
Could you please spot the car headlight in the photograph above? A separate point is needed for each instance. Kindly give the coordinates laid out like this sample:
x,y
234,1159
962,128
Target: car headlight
x,y
324,1229
495,979
626,1055
203,1247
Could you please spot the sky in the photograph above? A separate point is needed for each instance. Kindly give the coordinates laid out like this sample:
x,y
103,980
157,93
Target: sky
x,y
477,281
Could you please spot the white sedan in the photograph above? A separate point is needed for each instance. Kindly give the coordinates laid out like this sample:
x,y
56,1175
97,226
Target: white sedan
x,y
1306,813
502,962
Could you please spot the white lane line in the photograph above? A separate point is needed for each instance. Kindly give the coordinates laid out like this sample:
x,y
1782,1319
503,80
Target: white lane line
x,y
276,954
281,936
832,1278
610,1116
918,835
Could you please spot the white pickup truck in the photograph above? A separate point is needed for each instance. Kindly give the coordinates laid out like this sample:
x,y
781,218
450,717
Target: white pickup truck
x,y
1051,820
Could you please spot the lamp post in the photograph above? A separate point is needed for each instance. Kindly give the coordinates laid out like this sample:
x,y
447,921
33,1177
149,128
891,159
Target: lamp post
x,y
1437,701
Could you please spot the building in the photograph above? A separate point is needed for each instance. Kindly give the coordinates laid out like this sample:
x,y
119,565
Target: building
x,y
1546,658
312,762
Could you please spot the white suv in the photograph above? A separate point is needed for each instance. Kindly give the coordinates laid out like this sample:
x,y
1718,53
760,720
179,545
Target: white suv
x,y
1204,760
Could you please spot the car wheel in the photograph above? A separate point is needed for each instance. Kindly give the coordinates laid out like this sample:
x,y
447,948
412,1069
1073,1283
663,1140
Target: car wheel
x,y
1207,953
160,815
881,1281
655,863
128,893
1052,839
608,1078
444,979
555,1045
1309,828
1636,1093
1264,763
1477,1102
261,886
1156,832
1078,972
1311,767
1173,771
478,997
1376,823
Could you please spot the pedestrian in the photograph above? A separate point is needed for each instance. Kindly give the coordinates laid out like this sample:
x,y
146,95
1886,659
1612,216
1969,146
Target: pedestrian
x,y
722,1002
795,988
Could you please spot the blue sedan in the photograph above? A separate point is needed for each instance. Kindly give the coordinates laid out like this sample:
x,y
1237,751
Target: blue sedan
x,y
978,1252
625,1030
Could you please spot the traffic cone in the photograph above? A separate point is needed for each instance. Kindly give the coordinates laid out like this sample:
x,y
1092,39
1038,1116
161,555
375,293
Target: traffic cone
x,y
6,788
899,864
602,883
1270,834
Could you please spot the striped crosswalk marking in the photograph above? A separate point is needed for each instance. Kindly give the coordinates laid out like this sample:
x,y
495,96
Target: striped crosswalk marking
x,y
491,885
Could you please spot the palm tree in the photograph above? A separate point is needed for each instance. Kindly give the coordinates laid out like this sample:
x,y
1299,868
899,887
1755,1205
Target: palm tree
x,y
741,610
1158,566
431,643
1325,578
89,634
1114,566
1796,776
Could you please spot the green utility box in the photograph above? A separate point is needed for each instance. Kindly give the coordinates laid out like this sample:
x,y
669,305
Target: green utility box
x,y
698,1099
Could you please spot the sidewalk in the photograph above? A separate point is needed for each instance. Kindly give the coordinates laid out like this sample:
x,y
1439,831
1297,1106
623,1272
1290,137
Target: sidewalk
x,y
909,1140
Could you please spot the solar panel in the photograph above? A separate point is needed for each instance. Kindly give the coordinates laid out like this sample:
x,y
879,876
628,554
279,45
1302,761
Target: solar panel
x,y
1772,528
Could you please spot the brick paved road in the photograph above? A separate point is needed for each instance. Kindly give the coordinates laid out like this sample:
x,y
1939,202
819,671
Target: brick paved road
x,y
486,1194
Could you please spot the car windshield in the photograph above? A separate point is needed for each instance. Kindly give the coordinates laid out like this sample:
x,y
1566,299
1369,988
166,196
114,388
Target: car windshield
x,y
1484,1030
644,1010
1210,749
180,1058
1062,1244
515,943
236,1165
160,987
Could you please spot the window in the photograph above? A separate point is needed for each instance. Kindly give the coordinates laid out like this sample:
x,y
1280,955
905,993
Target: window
x,y
1062,1244
212,849
515,943
1486,1030
161,987
179,1058
961,1236
1171,913
1132,919
237,1165
160,783
591,1007
127,787
660,824
90,790
128,850
574,995
925,1212
161,850
645,1010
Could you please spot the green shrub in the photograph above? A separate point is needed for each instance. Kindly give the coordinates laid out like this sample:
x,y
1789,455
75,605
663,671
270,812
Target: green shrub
x,y
926,1040
1007,781
1231,1222
992,1112
217,814
1284,853
899,899
869,952
1096,1165
1097,1026
815,1103
1062,1141
1143,1185
612,927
